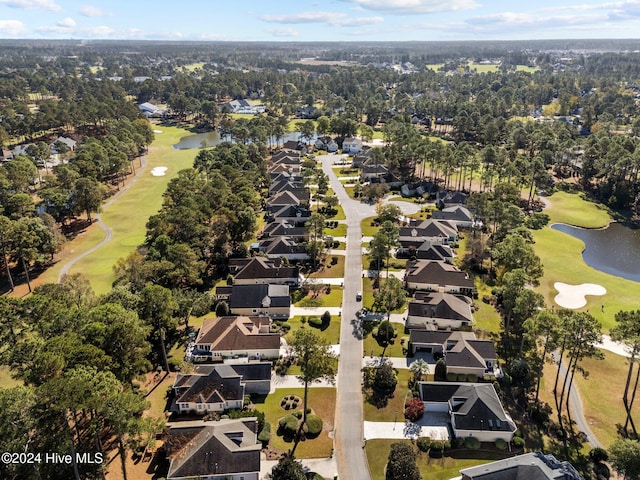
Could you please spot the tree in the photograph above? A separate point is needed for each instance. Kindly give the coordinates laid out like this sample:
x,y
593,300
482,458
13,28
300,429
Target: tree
x,y
401,464
88,195
542,330
515,252
156,307
385,379
317,362
388,213
382,243
6,235
627,330
31,238
287,468
419,368
315,226
389,297
624,455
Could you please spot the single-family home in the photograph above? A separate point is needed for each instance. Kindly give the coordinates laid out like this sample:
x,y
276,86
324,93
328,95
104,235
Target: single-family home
x,y
433,251
361,158
283,247
438,310
242,106
285,156
277,186
222,450
351,145
259,299
150,110
529,466
296,215
474,409
373,173
308,112
457,215
284,228
69,142
237,336
435,276
326,143
293,196
266,270
6,155
450,199
464,354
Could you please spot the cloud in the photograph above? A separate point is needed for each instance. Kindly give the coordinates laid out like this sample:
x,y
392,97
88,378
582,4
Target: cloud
x,y
283,32
12,28
66,23
415,7
512,20
91,11
327,18
32,4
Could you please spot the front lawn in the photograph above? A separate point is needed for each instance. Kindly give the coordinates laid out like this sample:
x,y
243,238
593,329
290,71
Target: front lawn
x,y
322,299
394,410
339,231
329,270
331,333
369,230
322,401
370,344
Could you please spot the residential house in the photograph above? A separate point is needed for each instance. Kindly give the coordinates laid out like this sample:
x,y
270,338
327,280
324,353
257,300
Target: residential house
x,y
361,158
69,142
308,112
296,215
294,196
434,276
6,155
282,185
282,247
284,155
456,215
242,106
150,110
222,450
464,354
439,311
450,199
265,270
530,466
373,173
433,251
351,145
237,336
259,299
284,228
326,143
474,409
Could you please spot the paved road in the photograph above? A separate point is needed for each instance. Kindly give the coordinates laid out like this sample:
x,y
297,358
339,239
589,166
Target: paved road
x,y
350,456
108,233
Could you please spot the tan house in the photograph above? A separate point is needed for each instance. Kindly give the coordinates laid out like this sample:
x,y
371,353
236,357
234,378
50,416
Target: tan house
x,y
436,276
437,310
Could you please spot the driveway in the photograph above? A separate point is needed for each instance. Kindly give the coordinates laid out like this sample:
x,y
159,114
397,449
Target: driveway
x,y
432,424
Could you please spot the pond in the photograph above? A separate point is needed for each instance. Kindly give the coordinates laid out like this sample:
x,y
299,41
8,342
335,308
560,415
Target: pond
x,y
211,139
614,250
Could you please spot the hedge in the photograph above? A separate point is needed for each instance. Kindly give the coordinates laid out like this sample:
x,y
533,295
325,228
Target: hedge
x,y
314,424
518,442
452,377
462,377
501,444
472,378
424,443
315,322
472,443
265,434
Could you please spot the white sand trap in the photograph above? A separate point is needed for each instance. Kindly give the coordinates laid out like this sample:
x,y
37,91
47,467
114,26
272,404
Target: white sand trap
x,y
159,171
573,296
157,131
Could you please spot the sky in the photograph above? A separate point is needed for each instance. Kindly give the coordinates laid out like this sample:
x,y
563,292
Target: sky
x,y
329,20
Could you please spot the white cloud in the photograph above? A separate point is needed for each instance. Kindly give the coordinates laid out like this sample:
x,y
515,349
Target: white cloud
x,y
66,23
415,7
328,18
12,28
91,11
283,32
32,4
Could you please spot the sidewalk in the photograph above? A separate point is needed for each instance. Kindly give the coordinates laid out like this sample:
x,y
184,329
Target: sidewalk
x,y
397,362
291,381
327,467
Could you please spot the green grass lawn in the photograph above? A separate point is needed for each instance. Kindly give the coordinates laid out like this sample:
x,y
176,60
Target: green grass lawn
x,y
346,171
128,215
430,468
394,411
575,209
339,231
370,344
483,68
333,299
368,230
322,401
158,397
331,333
486,318
330,271
191,67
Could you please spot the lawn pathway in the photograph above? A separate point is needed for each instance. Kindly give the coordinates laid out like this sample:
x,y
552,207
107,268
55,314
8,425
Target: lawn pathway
x,y
108,233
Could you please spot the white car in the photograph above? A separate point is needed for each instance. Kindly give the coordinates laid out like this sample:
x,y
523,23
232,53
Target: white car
x,y
358,296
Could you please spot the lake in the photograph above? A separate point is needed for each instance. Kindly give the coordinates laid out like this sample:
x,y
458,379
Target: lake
x,y
614,250
211,139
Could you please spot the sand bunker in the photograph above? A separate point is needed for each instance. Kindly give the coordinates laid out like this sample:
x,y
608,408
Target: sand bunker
x,y
159,171
573,296
157,131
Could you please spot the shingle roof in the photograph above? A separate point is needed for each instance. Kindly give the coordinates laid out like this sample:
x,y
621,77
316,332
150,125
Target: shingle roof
x,y
529,466
199,449
261,295
237,333
440,305
263,268
221,384
439,273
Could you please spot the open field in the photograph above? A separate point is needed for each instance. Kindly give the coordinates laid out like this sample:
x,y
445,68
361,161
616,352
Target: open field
x,y
128,215
191,67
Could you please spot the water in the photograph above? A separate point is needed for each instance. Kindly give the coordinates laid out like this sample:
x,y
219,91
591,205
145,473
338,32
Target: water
x,y
211,139
614,250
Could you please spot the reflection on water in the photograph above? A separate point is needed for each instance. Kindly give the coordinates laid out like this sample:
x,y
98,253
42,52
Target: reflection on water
x,y
614,250
211,139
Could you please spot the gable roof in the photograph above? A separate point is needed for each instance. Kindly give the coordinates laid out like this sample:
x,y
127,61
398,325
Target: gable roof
x,y
440,273
282,228
456,213
199,449
429,250
248,371
260,267
529,466
441,305
292,196
237,333
430,228
221,384
261,295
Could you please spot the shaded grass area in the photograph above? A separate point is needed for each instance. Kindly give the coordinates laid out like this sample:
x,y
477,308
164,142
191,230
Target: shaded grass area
x,y
328,270
158,397
128,215
394,410
322,401
369,230
6,380
370,344
430,468
331,333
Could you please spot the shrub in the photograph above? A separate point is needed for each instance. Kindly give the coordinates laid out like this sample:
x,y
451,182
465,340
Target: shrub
x,y
437,445
222,309
288,423
452,377
462,377
423,443
265,434
285,326
303,320
314,425
458,442
446,444
472,443
315,322
297,414
501,444
518,442
472,378
385,378
440,372
414,409
598,455
326,319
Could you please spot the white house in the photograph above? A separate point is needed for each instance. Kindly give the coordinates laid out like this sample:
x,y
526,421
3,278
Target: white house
x,y
351,145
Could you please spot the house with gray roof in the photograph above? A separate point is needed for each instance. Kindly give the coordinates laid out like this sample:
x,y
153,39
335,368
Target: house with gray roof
x,y
435,276
265,270
284,228
259,299
457,215
237,336
351,145
437,310
474,409
529,466
430,250
226,449
283,247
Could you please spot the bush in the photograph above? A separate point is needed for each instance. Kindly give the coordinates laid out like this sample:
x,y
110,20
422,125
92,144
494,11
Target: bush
x,y
598,455
440,372
501,444
289,424
315,322
285,326
458,442
423,444
437,445
472,378
326,319
414,409
265,434
314,425
297,414
472,443
222,309
518,442
385,379
452,377
462,377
